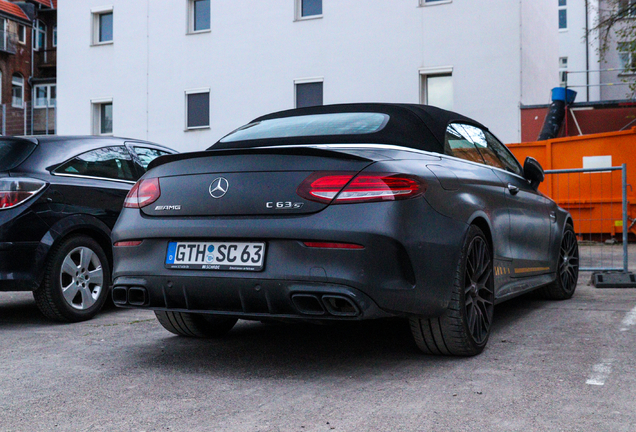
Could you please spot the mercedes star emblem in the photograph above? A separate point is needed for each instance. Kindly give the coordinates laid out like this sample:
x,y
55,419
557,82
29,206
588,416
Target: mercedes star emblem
x,y
218,187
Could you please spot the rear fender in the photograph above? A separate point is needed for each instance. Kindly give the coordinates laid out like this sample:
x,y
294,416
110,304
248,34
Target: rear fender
x,y
74,224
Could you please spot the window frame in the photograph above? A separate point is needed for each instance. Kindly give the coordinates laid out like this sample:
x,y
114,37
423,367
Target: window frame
x,y
40,28
21,85
191,19
425,73
48,104
96,14
563,68
54,41
134,172
298,12
96,111
563,8
629,68
22,34
202,90
313,80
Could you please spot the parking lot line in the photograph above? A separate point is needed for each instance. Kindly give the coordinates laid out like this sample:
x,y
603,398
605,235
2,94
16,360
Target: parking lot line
x,y
629,320
600,372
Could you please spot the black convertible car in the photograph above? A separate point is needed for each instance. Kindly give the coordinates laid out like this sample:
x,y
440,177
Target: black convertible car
x,y
59,199
344,212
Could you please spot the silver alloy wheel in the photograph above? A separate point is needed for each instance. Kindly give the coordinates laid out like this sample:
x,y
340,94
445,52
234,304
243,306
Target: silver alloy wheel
x,y
81,278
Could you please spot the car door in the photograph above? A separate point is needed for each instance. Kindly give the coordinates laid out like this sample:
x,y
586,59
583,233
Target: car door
x,y
96,182
530,230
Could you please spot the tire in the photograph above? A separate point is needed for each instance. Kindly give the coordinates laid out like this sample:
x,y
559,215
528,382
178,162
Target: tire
x,y
464,328
195,325
76,280
567,268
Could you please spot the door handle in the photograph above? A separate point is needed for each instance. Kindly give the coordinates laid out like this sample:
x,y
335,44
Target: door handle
x,y
513,189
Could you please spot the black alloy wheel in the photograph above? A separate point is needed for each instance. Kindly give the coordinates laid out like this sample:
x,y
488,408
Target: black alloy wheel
x,y
464,329
478,290
567,268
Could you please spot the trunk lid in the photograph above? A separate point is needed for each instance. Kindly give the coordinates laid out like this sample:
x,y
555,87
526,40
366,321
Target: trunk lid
x,y
250,182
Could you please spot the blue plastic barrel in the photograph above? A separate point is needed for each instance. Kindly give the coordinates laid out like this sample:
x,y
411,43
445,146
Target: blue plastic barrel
x,y
563,94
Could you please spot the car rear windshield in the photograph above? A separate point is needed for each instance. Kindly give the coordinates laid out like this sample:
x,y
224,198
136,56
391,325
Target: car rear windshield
x,y
14,152
310,125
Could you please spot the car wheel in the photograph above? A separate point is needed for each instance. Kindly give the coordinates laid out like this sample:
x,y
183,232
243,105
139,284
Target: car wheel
x,y
464,329
76,281
567,268
195,325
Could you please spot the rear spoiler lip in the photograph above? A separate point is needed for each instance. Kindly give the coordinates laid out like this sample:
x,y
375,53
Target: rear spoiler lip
x,y
295,150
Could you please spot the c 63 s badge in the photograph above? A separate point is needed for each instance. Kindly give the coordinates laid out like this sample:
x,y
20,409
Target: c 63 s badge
x,y
284,205
168,207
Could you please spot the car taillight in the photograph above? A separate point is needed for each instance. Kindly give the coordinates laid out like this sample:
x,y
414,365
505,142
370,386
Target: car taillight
x,y
16,190
144,192
129,243
366,187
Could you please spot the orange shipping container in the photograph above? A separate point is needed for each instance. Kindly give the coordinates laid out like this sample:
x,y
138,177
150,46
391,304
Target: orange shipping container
x,y
593,199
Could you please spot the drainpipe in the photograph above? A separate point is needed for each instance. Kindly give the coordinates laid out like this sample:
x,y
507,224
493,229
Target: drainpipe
x,y
587,51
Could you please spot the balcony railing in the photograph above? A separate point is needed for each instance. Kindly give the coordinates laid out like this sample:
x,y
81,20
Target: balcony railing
x,y
45,58
8,42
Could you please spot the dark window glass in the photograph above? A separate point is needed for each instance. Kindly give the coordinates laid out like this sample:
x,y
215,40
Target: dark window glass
x,y
106,118
563,18
201,16
198,110
308,94
106,162
459,142
563,2
311,7
13,153
147,155
496,154
311,125
106,27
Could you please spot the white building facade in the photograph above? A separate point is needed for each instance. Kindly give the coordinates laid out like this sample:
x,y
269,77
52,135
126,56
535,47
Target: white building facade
x,y
185,72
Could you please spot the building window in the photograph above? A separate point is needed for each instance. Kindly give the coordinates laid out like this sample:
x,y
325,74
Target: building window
x,y
563,15
308,9
437,87
4,35
17,91
39,36
627,55
197,109
55,36
45,96
628,7
563,74
102,25
309,93
102,117
21,34
199,15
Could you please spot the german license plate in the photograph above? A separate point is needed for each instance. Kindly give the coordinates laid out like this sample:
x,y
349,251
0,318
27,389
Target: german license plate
x,y
216,255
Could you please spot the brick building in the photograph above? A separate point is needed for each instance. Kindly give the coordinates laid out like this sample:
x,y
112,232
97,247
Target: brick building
x,y
28,48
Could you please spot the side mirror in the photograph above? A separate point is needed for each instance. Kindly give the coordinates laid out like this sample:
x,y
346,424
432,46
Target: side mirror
x,y
533,172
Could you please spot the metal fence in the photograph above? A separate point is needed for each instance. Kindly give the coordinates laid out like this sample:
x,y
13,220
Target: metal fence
x,y
27,119
597,200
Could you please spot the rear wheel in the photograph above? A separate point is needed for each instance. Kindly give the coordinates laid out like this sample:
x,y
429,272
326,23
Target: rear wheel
x,y
464,329
195,325
567,268
76,281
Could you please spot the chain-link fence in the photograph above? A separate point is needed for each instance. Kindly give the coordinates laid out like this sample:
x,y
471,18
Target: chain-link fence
x,y
28,119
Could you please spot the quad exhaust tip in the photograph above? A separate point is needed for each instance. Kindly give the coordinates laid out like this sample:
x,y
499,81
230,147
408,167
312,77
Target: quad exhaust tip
x,y
335,305
133,296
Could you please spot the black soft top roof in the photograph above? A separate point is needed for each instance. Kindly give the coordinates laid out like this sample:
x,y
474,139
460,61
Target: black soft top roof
x,y
415,126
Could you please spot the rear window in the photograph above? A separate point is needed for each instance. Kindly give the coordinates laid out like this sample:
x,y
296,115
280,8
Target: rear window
x,y
14,152
310,125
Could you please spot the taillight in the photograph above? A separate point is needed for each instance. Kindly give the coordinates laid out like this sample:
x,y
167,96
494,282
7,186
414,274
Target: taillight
x,y
128,243
144,192
16,190
366,187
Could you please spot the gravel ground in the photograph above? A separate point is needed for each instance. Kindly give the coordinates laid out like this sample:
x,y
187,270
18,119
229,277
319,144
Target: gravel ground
x,y
549,366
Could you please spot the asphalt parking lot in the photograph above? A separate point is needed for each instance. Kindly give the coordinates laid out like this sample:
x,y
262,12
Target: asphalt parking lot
x,y
549,366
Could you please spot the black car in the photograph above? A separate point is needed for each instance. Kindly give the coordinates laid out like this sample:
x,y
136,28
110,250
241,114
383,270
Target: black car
x,y
344,212
59,199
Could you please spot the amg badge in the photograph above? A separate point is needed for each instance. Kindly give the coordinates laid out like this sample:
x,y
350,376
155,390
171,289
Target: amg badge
x,y
168,207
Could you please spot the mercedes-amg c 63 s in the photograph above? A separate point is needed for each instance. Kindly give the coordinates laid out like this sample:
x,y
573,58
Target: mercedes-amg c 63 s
x,y
344,212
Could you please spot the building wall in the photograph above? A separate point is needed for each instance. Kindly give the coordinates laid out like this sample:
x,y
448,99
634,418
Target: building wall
x,y
255,51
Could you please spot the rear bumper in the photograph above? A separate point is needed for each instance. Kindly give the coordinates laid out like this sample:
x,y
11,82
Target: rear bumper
x,y
406,268
18,269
